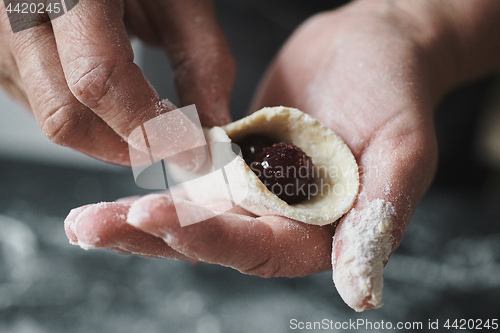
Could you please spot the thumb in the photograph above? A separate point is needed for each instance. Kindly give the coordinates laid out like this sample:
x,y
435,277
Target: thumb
x,y
362,244
394,176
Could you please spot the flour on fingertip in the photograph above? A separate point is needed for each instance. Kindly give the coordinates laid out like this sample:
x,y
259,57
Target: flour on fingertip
x,y
361,245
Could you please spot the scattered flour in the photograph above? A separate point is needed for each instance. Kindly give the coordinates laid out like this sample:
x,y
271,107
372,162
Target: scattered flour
x,y
361,245
164,105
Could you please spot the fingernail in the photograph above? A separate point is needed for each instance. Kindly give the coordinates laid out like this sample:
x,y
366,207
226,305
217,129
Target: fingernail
x,y
85,228
140,211
69,224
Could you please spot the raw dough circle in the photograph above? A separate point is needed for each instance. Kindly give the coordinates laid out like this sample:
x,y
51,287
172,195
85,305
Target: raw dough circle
x,y
337,179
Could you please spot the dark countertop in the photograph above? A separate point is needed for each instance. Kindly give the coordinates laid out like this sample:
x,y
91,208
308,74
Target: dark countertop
x,y
447,267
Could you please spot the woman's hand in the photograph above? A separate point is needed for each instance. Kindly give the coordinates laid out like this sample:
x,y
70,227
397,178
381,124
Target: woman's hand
x,y
77,74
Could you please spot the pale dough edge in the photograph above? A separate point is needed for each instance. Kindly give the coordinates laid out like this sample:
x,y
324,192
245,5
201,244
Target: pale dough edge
x,y
323,145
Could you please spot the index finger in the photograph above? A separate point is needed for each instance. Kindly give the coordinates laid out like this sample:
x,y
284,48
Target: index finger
x,y
98,64
267,246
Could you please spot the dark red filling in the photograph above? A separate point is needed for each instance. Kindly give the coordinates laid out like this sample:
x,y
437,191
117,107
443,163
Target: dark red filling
x,y
283,168
252,145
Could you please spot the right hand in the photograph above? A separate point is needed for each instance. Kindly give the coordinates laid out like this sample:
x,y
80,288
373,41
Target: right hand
x,y
78,77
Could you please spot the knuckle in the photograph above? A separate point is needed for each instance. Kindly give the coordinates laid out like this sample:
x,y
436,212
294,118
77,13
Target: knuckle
x,y
63,126
266,269
90,81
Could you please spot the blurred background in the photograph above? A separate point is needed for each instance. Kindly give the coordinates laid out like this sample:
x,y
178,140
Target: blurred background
x,y
448,266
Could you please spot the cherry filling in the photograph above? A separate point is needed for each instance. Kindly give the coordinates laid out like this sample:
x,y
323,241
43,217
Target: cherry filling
x,y
252,145
283,168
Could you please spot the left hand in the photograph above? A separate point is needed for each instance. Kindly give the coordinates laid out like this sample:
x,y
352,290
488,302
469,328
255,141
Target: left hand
x,y
266,246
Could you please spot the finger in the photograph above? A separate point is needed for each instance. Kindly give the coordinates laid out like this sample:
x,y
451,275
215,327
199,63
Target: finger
x,y
10,79
266,246
139,22
97,60
392,183
69,223
60,115
199,53
103,226
11,87
128,199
